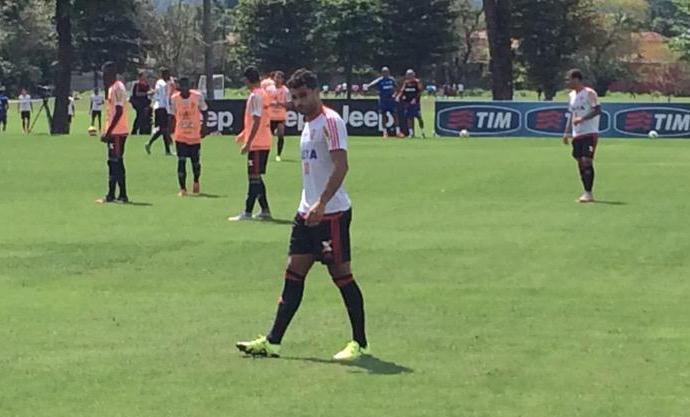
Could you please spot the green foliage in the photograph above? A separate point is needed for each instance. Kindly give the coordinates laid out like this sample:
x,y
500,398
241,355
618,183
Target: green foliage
x,y
27,44
681,42
662,17
416,33
550,33
277,34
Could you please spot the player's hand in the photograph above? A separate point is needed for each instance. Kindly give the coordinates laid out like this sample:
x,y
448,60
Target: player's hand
x,y
203,132
105,138
315,214
566,139
244,149
577,120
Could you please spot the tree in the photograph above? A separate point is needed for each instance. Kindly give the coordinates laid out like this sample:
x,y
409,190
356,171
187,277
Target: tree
x,y
470,20
27,47
276,34
550,33
603,56
347,29
681,42
63,79
112,36
208,49
662,17
498,24
416,33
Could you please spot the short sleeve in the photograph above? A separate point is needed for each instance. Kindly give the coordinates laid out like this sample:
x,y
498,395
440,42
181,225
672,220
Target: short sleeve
x,y
593,98
256,104
336,134
119,92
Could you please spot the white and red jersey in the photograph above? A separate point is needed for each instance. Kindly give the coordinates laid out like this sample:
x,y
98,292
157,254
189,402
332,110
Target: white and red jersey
x,y
581,104
320,137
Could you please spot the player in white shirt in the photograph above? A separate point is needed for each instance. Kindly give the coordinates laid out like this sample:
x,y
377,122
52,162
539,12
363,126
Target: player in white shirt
x,y
162,111
97,102
583,129
70,110
25,107
321,229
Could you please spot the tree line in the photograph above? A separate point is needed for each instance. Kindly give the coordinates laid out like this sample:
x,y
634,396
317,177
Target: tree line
x,y
531,42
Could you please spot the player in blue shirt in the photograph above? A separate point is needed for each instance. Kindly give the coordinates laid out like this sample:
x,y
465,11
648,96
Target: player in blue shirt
x,y
387,102
4,107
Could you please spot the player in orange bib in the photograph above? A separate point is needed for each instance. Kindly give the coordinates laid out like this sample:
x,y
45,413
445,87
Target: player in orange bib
x,y
189,108
115,134
279,102
256,140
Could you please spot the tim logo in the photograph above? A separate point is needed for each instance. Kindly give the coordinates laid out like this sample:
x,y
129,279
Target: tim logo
x,y
667,121
552,121
479,120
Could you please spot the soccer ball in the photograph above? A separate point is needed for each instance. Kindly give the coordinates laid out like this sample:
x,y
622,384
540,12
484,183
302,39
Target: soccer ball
x,y
93,131
464,133
653,134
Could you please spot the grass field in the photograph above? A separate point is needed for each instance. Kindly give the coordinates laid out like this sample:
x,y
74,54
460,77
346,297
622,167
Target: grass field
x,y
489,291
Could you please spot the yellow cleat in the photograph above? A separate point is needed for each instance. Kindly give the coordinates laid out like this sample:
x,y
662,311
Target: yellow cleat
x,y
352,352
259,347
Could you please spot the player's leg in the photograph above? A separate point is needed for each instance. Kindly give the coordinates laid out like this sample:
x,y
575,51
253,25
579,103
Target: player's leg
x,y
167,133
112,162
254,179
583,152
99,115
181,167
420,119
281,139
159,123
122,174
195,156
262,195
93,118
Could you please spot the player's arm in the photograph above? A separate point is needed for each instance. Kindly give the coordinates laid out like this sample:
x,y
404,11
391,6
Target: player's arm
x,y
596,109
568,129
375,82
203,107
256,106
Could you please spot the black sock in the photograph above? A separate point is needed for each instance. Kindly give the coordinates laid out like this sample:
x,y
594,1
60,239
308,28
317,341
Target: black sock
x,y
281,144
252,194
155,137
352,296
263,201
167,141
587,175
196,168
112,179
182,172
290,300
121,182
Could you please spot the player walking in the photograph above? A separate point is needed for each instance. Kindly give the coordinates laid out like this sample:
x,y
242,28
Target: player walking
x,y
116,133
387,104
161,108
4,108
24,106
256,141
411,96
279,101
321,230
96,108
189,108
583,128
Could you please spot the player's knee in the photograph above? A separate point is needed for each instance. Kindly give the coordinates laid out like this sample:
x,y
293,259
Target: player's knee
x,y
339,270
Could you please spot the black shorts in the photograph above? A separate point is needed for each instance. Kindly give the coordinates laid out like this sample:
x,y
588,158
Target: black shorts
x,y
162,119
329,241
116,147
257,161
585,146
26,115
185,150
3,118
275,124
96,113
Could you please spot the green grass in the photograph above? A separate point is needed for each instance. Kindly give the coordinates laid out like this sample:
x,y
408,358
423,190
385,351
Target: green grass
x,y
489,291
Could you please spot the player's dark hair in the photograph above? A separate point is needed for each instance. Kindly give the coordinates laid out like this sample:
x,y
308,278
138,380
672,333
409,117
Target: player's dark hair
x,y
575,74
109,67
183,80
303,78
277,73
252,75
164,70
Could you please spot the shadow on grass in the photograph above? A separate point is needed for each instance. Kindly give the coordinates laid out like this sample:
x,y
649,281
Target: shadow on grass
x,y
275,221
206,195
371,364
137,204
611,203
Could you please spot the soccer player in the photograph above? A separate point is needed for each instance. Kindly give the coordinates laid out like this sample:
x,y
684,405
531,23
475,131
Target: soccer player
x,y
190,109
321,230
410,95
583,128
279,101
387,104
96,108
4,108
70,110
116,133
161,108
24,106
256,139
